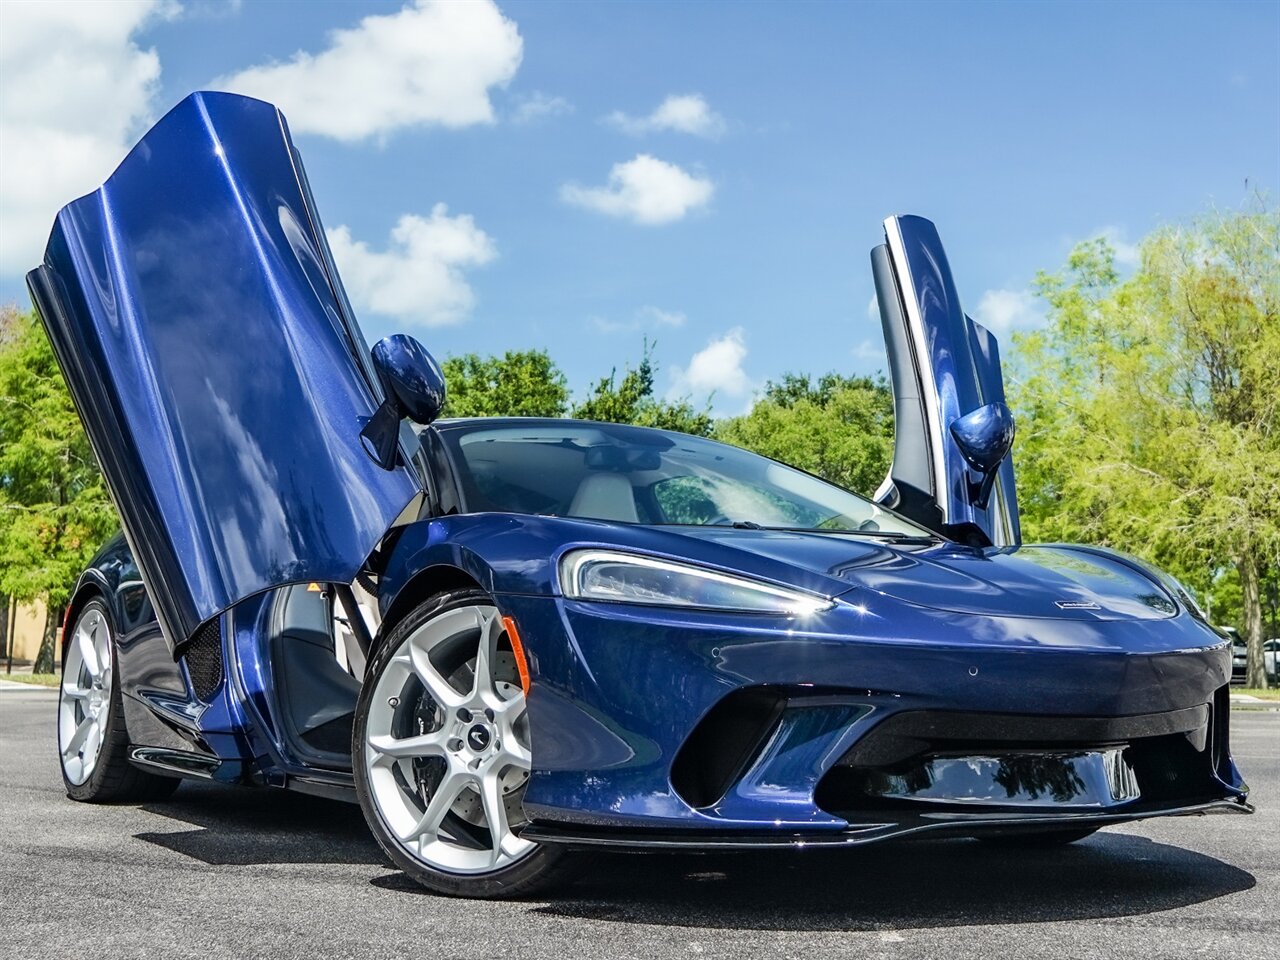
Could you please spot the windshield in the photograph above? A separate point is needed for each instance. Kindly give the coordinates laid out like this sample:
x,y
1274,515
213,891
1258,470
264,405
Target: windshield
x,y
638,475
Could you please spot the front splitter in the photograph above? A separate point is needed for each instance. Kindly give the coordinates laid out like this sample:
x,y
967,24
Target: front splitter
x,y
937,824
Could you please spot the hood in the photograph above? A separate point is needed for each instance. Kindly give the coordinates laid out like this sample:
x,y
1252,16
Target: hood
x,y
1049,582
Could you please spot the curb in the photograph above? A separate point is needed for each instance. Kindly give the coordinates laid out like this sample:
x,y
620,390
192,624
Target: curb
x,y
9,686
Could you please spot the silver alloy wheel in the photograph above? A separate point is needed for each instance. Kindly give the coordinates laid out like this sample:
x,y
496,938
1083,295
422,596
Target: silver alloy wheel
x,y
447,744
85,697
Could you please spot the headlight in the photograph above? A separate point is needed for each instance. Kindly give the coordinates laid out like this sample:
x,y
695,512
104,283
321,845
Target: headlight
x,y
631,578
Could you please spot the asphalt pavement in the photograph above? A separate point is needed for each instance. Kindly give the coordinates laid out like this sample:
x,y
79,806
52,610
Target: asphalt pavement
x,y
229,872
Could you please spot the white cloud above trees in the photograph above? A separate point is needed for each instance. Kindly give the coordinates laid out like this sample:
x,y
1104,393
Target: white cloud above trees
x,y
646,318
77,87
1127,253
644,190
1001,311
715,370
433,63
537,106
680,113
420,277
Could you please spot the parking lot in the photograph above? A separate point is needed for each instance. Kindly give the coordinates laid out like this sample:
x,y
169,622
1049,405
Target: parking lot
x,y
244,873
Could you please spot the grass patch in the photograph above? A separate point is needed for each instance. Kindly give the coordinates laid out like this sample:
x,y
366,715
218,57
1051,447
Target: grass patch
x,y
37,679
1269,694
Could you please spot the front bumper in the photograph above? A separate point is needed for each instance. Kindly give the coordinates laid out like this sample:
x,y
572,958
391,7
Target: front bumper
x,y
661,727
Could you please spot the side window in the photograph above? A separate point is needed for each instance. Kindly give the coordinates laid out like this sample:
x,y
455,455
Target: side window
x,y
502,494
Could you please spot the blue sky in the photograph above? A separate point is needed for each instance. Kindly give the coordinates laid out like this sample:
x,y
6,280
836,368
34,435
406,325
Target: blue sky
x,y
736,228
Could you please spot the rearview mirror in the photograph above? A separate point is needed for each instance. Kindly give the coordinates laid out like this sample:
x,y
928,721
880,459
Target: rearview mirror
x,y
985,437
413,386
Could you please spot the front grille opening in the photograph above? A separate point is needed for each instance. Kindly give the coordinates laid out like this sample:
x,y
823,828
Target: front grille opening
x,y
1220,733
203,657
909,765
1171,768
724,743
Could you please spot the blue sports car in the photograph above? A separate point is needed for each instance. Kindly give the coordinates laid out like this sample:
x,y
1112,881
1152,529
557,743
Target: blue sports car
x,y
511,640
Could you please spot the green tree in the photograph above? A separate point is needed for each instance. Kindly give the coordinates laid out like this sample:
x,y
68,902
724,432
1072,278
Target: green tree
x,y
840,428
54,507
1149,406
520,383
632,400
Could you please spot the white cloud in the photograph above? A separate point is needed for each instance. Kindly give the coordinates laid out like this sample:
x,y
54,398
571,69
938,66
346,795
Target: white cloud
x,y
645,190
1003,310
419,278
647,317
663,318
431,64
682,113
532,107
715,369
870,350
76,87
1127,254
211,9
873,309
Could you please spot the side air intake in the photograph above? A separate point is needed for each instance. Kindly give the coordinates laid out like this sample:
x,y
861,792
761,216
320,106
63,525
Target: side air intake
x,y
203,656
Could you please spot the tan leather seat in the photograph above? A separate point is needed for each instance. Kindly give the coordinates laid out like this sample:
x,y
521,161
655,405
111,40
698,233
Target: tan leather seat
x,y
605,496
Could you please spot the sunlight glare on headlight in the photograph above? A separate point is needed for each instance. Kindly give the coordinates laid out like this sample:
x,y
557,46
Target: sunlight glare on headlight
x,y
631,578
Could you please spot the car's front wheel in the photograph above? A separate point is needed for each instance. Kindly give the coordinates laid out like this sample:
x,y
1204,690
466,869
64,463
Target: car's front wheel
x,y
441,752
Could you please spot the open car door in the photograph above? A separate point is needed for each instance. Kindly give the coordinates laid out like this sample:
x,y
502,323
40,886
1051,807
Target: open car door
x,y
951,470
196,314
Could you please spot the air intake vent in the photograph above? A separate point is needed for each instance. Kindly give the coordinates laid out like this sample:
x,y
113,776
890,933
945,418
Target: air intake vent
x,y
204,659
724,743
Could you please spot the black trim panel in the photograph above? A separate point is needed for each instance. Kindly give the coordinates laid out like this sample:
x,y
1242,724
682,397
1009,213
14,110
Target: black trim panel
x,y
938,824
904,735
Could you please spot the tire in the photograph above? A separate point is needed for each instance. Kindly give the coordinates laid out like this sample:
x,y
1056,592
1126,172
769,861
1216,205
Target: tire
x,y
1039,839
440,751
93,742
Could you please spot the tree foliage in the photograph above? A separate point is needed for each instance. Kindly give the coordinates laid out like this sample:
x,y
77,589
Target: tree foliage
x,y
840,428
520,383
632,400
1149,406
54,507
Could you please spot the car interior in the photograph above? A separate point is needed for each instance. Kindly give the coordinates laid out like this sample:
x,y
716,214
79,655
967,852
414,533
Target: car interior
x,y
318,662
632,475
592,476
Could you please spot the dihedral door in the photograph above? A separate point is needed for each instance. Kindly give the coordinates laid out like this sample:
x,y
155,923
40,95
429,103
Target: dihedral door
x,y
195,311
943,366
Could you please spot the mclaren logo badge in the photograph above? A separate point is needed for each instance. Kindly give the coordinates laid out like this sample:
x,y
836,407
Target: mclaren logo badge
x,y
1076,605
478,738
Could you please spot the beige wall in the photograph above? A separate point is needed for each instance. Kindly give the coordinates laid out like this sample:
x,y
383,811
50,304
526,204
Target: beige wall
x,y
28,630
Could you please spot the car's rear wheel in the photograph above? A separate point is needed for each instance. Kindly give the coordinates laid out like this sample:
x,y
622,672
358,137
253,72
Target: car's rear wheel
x,y
441,752
92,740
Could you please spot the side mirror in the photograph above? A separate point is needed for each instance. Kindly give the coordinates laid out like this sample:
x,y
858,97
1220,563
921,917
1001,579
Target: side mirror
x,y
985,437
414,387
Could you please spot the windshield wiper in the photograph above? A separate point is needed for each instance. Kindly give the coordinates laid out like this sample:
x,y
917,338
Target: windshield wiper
x,y
875,534
889,535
